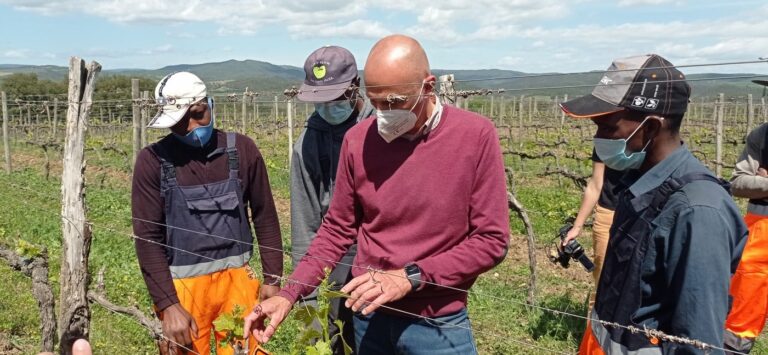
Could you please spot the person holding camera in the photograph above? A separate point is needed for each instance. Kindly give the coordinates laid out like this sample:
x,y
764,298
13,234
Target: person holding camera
x,y
600,196
677,235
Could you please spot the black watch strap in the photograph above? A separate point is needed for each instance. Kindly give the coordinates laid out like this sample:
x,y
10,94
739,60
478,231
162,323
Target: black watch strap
x,y
413,273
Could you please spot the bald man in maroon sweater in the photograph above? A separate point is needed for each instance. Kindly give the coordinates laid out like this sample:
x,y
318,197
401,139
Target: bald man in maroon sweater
x,y
421,188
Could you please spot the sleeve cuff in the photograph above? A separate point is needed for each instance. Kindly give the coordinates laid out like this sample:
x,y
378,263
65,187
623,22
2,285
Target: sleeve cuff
x,y
166,302
290,295
271,280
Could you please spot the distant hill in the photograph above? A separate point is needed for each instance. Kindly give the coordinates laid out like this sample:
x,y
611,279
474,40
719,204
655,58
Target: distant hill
x,y
236,75
49,72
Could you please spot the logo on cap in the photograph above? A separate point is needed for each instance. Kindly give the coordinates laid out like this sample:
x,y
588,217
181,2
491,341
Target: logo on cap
x,y
652,104
639,101
319,71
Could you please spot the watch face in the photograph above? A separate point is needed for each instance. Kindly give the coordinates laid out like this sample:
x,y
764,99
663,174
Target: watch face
x,y
414,275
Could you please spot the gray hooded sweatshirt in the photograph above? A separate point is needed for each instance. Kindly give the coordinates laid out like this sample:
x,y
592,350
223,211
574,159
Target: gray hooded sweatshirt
x,y
313,176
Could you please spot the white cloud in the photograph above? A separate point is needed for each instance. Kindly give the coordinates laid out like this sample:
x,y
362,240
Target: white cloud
x,y
16,53
166,48
232,17
510,61
627,3
532,29
683,42
486,19
354,29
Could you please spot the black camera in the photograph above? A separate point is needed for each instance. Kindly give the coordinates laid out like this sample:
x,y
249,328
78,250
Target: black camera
x,y
572,250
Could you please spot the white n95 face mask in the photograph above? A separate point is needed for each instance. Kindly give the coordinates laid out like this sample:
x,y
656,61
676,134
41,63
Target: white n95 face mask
x,y
395,123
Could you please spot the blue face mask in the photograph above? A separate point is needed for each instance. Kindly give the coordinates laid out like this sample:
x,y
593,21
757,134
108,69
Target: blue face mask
x,y
334,112
199,136
613,152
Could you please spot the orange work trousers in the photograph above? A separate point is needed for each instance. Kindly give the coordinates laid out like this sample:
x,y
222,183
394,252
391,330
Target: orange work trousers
x,y
749,285
589,345
206,297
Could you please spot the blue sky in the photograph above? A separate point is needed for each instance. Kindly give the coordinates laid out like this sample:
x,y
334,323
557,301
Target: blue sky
x,y
525,35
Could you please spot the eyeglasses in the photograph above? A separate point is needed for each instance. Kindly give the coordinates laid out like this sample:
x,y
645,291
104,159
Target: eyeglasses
x,y
170,100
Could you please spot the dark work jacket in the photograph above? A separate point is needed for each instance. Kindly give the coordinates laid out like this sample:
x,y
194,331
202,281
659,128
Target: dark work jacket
x,y
674,274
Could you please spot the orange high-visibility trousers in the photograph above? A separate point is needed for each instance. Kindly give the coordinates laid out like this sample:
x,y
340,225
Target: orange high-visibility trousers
x,y
749,287
589,345
206,297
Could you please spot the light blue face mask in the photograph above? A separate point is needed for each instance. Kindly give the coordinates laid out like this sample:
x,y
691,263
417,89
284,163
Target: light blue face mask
x,y
334,112
199,136
613,152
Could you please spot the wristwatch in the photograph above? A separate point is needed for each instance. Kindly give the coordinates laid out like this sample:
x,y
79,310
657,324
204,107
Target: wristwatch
x,y
413,273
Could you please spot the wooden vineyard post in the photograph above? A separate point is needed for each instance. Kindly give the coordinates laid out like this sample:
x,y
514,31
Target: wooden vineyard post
x,y
75,314
491,111
750,114
55,116
521,116
256,114
502,110
555,102
277,126
244,114
290,94
562,113
516,206
144,118
765,112
276,110
289,107
233,121
6,144
445,89
530,109
719,138
136,119
48,114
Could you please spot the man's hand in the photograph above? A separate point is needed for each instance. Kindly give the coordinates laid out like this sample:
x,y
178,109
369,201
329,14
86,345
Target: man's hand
x,y
267,291
275,309
179,327
572,234
368,291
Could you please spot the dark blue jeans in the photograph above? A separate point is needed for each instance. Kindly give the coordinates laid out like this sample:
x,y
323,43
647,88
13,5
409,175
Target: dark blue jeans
x,y
380,333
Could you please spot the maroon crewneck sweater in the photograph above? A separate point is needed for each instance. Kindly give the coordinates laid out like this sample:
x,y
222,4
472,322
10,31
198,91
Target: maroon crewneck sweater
x,y
439,200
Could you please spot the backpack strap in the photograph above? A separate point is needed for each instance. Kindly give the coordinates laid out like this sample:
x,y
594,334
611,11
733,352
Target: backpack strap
x,y
232,156
662,193
167,170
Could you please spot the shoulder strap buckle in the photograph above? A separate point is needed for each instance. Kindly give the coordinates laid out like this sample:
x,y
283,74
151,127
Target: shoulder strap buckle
x,y
232,156
167,170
